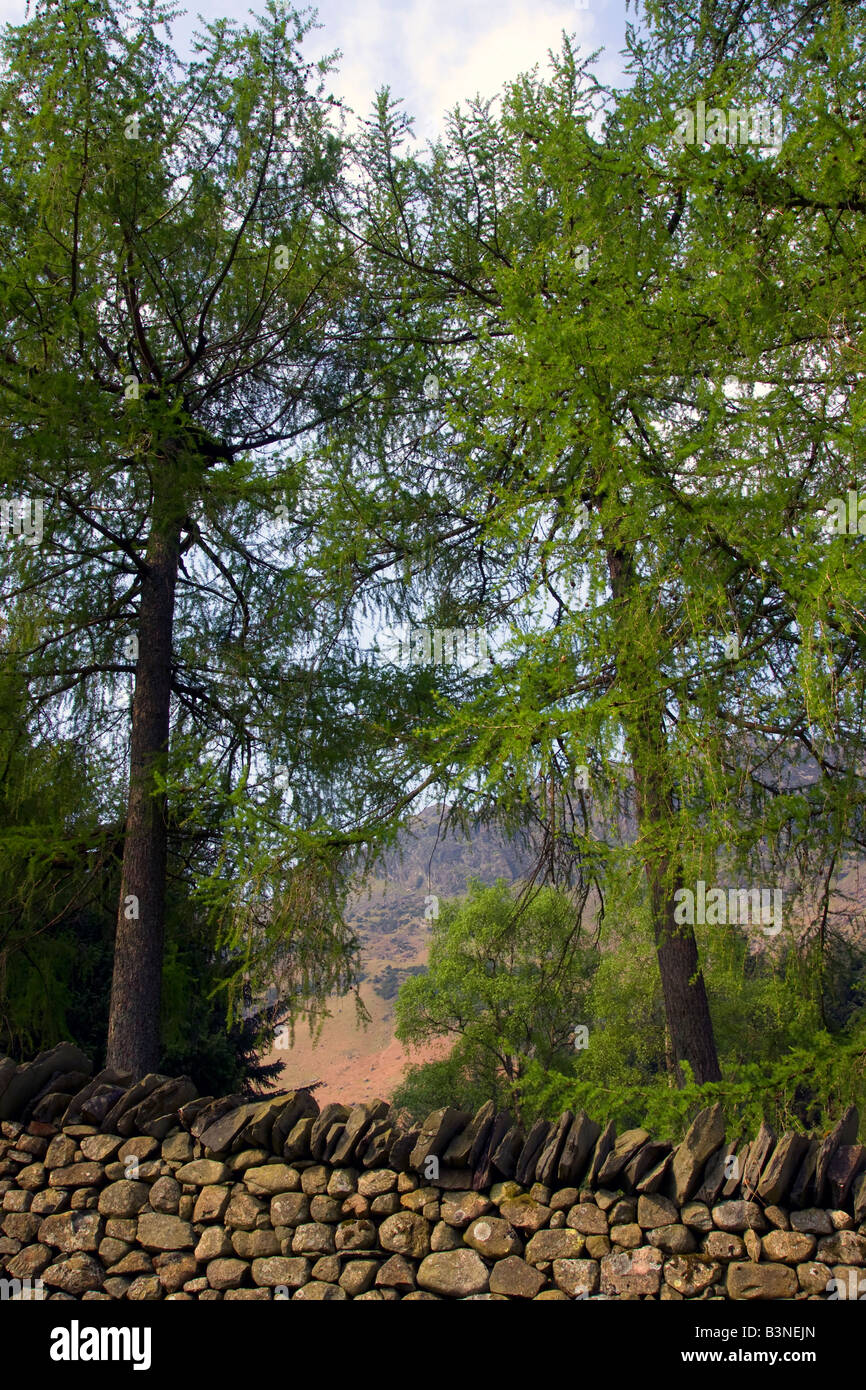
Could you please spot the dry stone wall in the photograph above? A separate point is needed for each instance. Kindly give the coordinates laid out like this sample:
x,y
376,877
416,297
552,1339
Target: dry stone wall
x,y
115,1190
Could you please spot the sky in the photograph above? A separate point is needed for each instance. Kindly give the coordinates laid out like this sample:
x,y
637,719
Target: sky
x,y
433,53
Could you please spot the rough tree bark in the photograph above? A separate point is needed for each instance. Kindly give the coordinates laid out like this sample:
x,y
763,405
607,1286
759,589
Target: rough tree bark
x,y
687,1008
136,988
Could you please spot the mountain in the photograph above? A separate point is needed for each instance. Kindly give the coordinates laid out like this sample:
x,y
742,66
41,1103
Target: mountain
x,y
393,918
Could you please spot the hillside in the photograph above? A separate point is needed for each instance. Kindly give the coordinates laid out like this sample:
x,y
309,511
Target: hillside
x,y
364,1062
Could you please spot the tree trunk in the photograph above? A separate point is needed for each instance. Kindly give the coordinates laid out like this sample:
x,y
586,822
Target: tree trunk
x,y
136,987
687,1008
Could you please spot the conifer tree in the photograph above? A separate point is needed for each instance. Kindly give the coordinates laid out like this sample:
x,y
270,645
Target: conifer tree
x,y
175,322
645,366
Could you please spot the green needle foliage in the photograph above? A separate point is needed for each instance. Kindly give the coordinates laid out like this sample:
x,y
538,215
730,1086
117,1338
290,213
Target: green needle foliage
x,y
546,1025
177,317
564,378
650,390
61,841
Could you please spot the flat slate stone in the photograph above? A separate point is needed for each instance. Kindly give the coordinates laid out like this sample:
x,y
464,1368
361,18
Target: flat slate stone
x,y
335,1136
51,1107
603,1147
187,1114
465,1147
160,1127
782,1168
207,1114
59,1081
130,1099
759,1152
329,1115
377,1145
548,1163
714,1174
647,1156
8,1069
531,1151
653,1180
503,1143
624,1150
576,1150
506,1144
732,1184
803,1189
166,1099
845,1165
705,1134
437,1131
102,1100
401,1149
275,1119
451,1179
220,1135
359,1121
29,1077
845,1132
373,1131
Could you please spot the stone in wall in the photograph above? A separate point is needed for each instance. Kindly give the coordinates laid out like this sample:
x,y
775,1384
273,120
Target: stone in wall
x,y
145,1191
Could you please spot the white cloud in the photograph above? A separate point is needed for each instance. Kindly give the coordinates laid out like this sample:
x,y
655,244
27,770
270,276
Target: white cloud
x,y
434,56
431,55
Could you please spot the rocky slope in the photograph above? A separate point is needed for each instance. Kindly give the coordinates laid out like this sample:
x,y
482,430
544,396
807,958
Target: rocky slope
x,y
391,923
